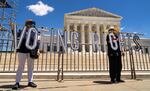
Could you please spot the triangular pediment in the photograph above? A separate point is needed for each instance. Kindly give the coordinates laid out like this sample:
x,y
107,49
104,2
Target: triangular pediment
x,y
94,12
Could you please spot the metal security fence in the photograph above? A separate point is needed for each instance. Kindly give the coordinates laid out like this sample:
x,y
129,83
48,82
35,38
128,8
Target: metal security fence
x,y
80,60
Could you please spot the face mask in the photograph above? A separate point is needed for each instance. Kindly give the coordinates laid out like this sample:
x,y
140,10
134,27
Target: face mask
x,y
30,24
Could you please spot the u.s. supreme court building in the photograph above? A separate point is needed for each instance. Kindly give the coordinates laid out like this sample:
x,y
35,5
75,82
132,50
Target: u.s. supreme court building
x,y
85,22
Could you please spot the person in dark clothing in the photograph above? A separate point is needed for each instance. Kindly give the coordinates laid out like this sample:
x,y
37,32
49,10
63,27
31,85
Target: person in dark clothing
x,y
24,53
114,55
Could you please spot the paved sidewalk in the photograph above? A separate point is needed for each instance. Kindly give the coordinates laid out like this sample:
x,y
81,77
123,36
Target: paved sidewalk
x,y
79,85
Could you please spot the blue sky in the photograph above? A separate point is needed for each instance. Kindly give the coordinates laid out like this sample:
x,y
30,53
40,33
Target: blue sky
x,y
135,13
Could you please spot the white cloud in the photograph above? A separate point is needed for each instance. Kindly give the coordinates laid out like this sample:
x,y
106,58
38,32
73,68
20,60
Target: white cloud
x,y
40,9
122,28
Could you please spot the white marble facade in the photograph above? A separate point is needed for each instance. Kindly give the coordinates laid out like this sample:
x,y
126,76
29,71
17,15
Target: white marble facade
x,y
88,21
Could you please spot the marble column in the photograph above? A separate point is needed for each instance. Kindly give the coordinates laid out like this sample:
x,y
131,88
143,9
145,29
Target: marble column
x,y
98,33
68,37
68,33
104,34
75,29
83,37
90,37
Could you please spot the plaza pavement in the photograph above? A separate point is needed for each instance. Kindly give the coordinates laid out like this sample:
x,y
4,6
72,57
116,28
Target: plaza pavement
x,y
142,84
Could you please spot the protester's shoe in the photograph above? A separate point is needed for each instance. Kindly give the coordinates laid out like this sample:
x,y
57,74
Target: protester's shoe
x,y
31,84
16,86
120,81
113,81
